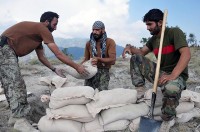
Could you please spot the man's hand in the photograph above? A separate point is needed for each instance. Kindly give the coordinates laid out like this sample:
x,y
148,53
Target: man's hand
x,y
60,72
165,78
94,61
81,70
127,49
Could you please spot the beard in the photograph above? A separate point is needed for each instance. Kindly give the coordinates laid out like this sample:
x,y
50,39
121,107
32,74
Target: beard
x,y
155,31
50,28
97,36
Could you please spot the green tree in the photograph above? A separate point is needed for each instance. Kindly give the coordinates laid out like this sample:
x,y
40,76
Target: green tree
x,y
192,40
144,40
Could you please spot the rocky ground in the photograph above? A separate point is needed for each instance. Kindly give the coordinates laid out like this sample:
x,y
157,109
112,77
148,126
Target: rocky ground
x,y
120,78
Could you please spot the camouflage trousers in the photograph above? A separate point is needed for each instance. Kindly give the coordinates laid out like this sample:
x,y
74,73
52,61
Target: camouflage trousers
x,y
13,83
100,80
142,68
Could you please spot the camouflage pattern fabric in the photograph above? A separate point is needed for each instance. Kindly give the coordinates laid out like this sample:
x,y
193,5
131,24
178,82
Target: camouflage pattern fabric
x,y
13,83
100,80
142,68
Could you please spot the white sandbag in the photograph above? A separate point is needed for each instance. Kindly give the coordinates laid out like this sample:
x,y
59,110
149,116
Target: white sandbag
x,y
127,112
185,117
46,81
58,81
117,125
71,112
181,108
197,104
61,125
71,95
93,126
188,95
134,125
111,98
88,66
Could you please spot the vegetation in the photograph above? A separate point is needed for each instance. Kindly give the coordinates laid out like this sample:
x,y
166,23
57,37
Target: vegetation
x,y
65,51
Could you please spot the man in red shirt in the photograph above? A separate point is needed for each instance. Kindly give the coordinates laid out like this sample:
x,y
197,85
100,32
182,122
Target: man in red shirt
x,y
175,57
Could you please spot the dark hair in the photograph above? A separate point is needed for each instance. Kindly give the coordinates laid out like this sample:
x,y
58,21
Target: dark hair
x,y
153,15
48,16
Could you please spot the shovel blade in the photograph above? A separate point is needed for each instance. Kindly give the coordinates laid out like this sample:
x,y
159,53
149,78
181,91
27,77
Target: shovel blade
x,y
149,125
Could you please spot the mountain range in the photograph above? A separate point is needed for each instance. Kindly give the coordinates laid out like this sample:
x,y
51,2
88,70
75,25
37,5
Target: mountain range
x,y
75,47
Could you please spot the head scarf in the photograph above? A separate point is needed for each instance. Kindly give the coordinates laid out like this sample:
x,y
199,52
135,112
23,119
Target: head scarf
x,y
100,25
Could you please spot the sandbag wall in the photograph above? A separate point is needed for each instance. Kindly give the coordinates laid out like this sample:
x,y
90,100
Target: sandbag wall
x,y
82,109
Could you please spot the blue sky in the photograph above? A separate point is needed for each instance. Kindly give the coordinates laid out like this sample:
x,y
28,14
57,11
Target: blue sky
x,y
122,18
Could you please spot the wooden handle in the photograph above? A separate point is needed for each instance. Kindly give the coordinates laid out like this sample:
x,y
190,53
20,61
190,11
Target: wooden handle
x,y
159,53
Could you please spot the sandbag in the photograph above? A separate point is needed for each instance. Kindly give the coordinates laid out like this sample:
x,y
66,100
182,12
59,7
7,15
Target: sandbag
x,y
117,125
60,125
88,66
188,95
134,125
93,126
58,81
111,98
181,108
46,81
71,112
127,112
185,117
71,95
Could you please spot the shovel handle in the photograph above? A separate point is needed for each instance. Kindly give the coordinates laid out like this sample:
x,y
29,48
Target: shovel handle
x,y
159,52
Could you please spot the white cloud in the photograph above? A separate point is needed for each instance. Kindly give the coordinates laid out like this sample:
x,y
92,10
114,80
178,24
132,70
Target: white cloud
x,y
77,17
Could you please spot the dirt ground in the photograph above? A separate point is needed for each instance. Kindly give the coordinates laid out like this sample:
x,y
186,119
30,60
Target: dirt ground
x,y
120,78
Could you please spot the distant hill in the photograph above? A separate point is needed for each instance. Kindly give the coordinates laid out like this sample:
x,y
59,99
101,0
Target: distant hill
x,y
75,46
78,52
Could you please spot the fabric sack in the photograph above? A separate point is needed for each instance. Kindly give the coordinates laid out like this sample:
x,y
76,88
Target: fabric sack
x,y
71,96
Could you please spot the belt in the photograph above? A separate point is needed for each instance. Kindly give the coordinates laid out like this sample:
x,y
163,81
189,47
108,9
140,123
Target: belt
x,y
3,41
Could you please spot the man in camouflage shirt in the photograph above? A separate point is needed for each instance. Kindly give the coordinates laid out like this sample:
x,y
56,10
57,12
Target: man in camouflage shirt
x,y
174,62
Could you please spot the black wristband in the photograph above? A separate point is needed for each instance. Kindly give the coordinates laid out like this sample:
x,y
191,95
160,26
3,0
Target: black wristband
x,y
54,69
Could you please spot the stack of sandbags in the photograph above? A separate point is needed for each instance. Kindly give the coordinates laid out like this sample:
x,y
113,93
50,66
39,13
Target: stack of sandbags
x,y
82,109
111,98
113,110
67,110
189,96
187,109
187,102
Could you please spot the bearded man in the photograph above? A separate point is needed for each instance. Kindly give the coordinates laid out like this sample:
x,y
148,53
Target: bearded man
x,y
102,52
175,57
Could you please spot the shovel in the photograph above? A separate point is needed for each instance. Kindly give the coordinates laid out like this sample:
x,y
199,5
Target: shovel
x,y
149,124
